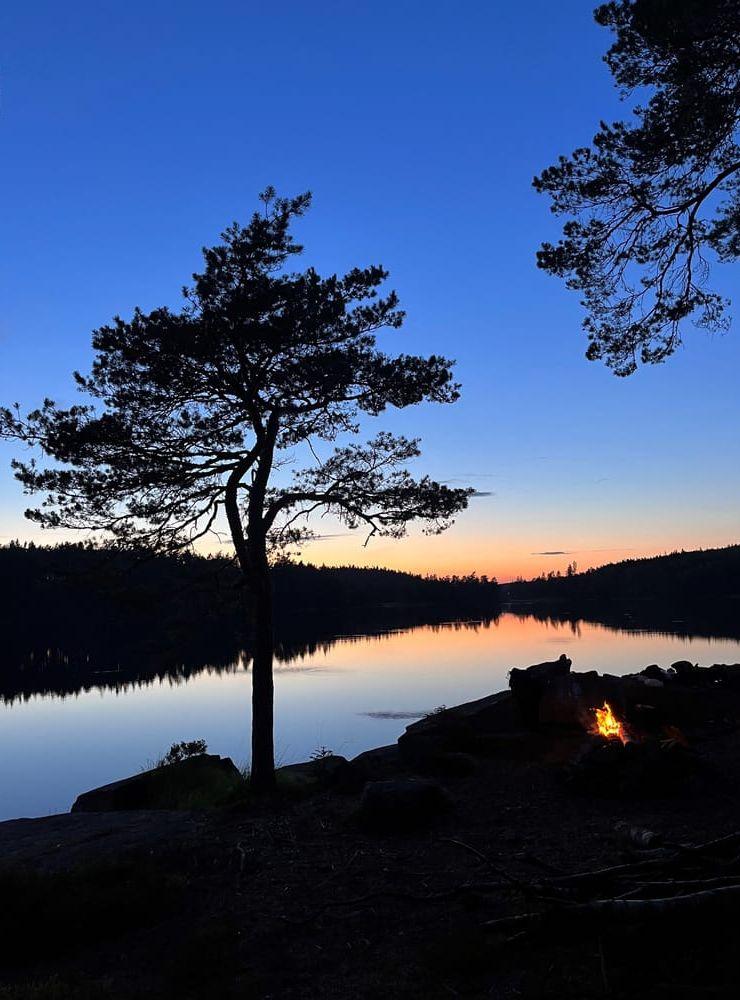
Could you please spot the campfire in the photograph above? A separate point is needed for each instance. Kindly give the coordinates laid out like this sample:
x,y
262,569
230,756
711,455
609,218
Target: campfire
x,y
607,725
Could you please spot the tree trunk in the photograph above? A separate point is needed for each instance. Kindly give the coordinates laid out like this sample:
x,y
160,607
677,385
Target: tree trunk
x,y
251,552
262,778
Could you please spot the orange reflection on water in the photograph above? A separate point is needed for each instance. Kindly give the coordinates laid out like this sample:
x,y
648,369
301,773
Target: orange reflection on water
x,y
492,648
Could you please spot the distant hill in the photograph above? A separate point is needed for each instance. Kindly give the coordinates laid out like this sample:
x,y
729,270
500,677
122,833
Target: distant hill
x,y
681,580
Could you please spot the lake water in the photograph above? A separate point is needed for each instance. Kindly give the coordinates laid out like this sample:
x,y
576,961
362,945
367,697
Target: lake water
x,y
348,695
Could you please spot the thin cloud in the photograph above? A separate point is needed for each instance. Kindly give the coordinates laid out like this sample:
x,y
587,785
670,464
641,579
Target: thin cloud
x,y
393,715
463,477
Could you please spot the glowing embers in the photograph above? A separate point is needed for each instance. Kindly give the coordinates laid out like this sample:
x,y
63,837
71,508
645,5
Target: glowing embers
x,y
607,725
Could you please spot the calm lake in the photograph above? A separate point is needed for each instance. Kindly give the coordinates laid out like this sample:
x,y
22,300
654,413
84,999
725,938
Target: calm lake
x,y
348,695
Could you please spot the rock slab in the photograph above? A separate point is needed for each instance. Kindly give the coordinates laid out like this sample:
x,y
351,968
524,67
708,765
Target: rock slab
x,y
463,729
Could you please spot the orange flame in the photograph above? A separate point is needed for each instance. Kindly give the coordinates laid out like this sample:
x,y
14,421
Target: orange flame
x,y
608,725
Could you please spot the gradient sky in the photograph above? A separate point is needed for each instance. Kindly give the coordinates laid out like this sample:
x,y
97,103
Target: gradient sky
x,y
131,134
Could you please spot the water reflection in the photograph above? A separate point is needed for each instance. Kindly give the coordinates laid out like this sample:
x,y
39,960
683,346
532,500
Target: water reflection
x,y
45,669
715,621
73,719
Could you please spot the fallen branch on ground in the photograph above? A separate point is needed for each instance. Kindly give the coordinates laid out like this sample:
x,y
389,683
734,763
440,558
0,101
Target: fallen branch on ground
x,y
603,912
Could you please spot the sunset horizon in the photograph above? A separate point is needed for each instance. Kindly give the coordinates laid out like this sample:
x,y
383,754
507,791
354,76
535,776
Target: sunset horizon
x,y
562,455
405,556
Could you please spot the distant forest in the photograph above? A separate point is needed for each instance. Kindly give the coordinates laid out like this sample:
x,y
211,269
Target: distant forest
x,y
83,606
680,580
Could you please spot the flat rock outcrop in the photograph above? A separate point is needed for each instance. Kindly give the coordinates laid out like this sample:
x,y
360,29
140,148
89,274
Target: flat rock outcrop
x,y
466,728
70,840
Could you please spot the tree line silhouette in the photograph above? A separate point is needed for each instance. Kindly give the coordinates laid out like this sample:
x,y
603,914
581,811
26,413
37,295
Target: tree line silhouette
x,y
682,580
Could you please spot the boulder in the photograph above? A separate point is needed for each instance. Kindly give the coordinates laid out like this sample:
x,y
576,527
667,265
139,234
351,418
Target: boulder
x,y
685,669
204,781
657,673
529,685
373,765
401,805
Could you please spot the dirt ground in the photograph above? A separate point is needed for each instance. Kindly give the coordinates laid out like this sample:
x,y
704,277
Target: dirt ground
x,y
290,899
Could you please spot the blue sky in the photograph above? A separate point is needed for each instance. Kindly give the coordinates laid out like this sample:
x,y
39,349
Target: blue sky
x,y
131,134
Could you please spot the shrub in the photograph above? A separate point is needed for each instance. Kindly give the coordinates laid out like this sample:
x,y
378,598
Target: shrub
x,y
182,751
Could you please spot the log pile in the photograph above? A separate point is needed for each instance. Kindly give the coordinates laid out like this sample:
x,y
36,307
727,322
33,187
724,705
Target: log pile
x,y
676,882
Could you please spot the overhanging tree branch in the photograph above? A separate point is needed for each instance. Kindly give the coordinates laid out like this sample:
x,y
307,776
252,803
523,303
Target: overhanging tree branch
x,y
653,200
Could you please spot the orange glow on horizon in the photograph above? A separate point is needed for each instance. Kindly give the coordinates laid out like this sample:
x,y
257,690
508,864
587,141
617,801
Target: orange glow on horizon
x,y
448,556
465,556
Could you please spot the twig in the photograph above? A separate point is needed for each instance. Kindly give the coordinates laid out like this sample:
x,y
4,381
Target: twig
x,y
335,871
616,871
526,887
467,847
693,884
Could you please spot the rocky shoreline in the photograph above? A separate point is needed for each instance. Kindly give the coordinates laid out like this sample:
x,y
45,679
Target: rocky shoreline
x,y
386,875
